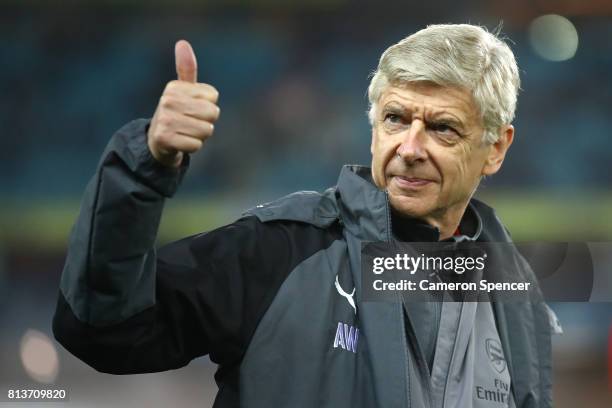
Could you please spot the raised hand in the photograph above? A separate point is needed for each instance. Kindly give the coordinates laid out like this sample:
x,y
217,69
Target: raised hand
x,y
186,112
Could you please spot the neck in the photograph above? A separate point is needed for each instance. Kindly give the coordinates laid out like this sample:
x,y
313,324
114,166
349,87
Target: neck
x,y
446,222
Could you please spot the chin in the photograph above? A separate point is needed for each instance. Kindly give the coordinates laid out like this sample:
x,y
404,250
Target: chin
x,y
410,206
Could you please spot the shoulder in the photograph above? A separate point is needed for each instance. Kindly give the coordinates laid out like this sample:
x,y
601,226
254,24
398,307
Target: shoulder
x,y
253,243
310,207
254,235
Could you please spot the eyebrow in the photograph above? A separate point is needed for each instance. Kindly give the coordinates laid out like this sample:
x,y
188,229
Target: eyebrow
x,y
394,107
443,117
450,121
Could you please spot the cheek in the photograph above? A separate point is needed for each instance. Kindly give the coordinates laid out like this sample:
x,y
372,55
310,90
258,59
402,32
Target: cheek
x,y
462,170
455,168
378,169
380,158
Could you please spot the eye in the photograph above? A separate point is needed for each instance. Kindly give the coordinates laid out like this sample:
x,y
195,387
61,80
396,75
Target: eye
x,y
444,129
393,118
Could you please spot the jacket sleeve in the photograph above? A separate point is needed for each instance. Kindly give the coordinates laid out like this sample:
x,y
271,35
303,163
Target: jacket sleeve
x,y
124,308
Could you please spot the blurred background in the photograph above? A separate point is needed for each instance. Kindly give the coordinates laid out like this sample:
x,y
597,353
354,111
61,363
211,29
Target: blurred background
x,y
292,78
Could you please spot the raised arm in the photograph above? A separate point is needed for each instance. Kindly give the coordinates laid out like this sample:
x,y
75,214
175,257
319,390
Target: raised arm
x,y
111,299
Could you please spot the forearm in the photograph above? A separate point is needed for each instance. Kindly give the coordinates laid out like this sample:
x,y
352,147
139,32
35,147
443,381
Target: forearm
x,y
109,274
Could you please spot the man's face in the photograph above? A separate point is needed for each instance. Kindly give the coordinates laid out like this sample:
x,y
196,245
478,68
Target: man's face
x,y
427,150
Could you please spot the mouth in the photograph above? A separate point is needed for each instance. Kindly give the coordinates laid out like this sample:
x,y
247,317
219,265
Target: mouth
x,y
410,183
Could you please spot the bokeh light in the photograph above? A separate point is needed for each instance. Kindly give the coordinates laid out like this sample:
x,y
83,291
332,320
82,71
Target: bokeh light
x,y
39,357
553,37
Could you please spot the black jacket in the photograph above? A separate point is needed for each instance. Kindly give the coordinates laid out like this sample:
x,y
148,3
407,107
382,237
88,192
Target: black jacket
x,y
261,296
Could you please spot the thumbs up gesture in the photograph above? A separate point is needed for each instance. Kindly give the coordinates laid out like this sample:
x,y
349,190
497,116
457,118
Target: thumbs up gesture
x,y
185,113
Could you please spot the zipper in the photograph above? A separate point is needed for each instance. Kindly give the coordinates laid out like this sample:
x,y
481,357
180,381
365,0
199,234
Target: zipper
x,y
388,213
400,304
438,316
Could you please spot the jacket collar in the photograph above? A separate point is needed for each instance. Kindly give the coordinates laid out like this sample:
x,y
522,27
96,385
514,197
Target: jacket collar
x,y
366,213
363,207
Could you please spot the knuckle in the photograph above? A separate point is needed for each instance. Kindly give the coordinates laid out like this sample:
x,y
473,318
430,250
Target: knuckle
x,y
166,101
209,92
161,140
163,121
171,85
194,146
205,130
210,111
214,93
216,112
166,140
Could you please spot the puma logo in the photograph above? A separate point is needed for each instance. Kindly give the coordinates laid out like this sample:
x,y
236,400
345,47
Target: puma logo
x,y
348,297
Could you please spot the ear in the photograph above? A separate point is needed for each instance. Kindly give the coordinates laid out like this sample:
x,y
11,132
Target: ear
x,y
497,151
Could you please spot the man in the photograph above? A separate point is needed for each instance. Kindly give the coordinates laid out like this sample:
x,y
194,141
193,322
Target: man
x,y
275,297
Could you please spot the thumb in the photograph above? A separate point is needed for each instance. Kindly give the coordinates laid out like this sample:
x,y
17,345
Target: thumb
x,y
186,64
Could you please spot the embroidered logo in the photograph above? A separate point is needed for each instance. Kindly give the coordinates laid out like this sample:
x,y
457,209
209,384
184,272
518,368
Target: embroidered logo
x,y
496,355
348,297
346,337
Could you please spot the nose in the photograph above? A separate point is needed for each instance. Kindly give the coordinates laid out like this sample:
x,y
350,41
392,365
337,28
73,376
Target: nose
x,y
412,148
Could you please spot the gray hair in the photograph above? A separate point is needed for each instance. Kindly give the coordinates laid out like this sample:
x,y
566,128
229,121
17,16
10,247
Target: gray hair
x,y
454,55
